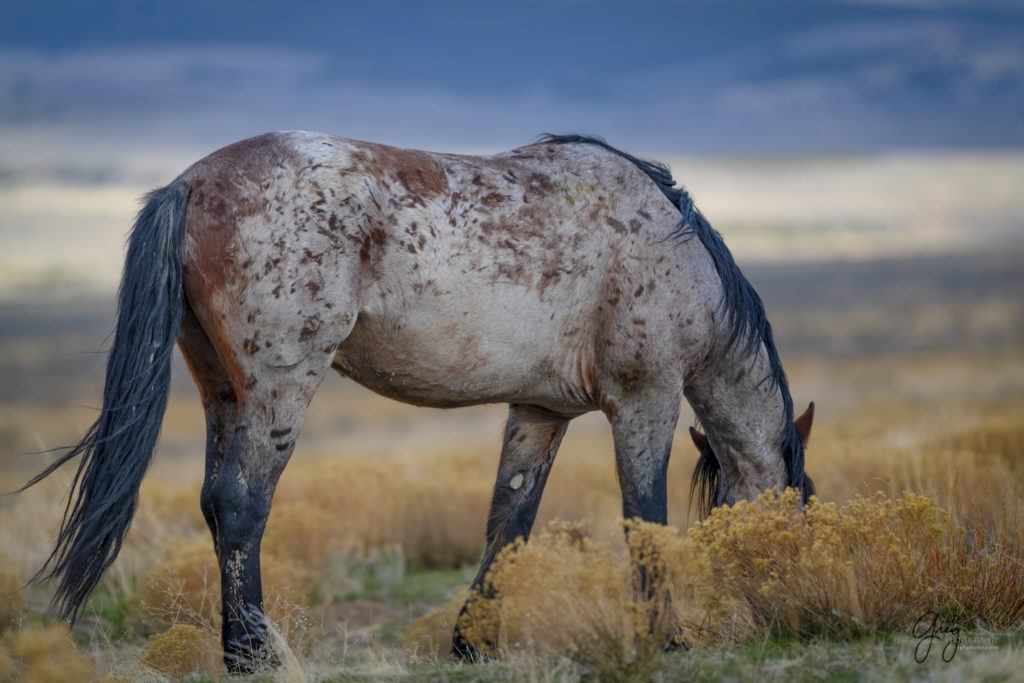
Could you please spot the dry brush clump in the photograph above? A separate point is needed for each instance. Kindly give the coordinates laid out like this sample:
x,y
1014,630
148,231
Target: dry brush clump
x,y
768,568
44,654
873,565
821,570
566,595
184,650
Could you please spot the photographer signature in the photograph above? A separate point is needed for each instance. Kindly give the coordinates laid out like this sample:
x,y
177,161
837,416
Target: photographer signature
x,y
928,630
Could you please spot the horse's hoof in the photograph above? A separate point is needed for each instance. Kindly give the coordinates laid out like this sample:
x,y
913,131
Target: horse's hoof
x,y
464,651
676,644
246,662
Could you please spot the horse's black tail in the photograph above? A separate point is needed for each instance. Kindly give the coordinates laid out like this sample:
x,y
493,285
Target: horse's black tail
x,y
117,449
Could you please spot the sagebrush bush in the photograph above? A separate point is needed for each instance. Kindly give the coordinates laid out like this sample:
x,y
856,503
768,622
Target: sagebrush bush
x,y
874,564
565,594
754,569
184,650
44,654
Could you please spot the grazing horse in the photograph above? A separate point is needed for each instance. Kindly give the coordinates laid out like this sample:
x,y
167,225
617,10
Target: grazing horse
x,y
561,277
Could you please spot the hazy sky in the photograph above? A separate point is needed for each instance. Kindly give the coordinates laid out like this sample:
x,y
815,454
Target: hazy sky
x,y
903,120
727,76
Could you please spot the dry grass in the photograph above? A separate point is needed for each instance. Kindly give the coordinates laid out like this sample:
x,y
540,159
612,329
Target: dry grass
x,y
432,508
364,552
185,588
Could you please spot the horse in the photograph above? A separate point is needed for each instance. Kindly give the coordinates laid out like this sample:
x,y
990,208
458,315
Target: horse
x,y
562,277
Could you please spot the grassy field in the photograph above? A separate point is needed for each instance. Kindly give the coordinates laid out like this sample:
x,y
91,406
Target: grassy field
x,y
917,371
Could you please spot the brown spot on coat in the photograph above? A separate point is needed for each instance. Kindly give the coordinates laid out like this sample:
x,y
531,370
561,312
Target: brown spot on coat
x,y
492,199
539,183
419,172
615,224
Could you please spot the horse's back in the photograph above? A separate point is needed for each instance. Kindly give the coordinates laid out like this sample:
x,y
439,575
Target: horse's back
x,y
443,279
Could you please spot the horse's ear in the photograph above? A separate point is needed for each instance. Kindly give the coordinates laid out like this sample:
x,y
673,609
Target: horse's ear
x,y
699,440
803,424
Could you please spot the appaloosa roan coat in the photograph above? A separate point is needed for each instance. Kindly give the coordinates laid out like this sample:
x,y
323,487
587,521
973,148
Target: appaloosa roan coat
x,y
560,278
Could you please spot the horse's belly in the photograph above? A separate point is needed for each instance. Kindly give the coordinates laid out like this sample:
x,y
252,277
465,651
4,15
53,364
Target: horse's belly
x,y
442,356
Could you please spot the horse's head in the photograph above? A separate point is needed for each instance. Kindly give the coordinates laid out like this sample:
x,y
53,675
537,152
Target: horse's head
x,y
708,483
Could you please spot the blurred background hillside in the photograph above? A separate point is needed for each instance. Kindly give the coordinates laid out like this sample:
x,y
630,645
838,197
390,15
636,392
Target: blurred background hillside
x,y
863,158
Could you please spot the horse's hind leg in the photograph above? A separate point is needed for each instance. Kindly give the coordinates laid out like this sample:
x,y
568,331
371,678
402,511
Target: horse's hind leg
x,y
253,421
239,500
244,648
532,437
220,403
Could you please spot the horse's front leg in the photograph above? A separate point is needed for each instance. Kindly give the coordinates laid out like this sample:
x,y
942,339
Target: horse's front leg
x,y
532,437
643,429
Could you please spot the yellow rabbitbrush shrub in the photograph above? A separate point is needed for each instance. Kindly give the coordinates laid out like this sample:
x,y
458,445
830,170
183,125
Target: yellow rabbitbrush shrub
x,y
821,570
876,564
564,594
184,650
44,654
768,568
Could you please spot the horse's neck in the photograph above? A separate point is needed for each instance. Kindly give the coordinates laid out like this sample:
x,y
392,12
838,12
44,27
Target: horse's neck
x,y
743,412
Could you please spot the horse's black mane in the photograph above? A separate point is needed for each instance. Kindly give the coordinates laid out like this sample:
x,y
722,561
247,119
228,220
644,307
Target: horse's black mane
x,y
748,323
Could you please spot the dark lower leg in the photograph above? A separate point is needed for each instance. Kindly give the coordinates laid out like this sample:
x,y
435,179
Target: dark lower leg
x,y
238,501
532,436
